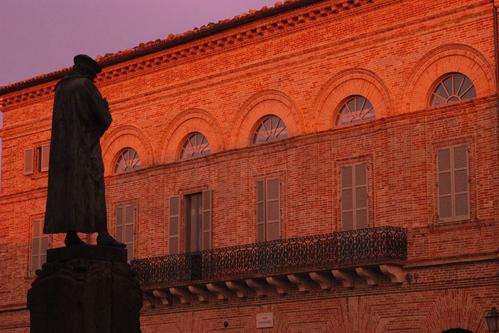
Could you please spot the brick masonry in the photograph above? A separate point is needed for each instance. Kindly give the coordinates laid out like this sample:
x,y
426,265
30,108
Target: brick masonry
x,y
392,52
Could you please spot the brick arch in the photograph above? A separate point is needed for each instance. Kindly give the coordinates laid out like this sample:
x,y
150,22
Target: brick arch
x,y
261,104
345,84
192,120
123,137
446,59
455,308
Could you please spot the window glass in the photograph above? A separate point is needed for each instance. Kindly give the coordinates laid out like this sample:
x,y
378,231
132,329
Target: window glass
x,y
452,88
196,145
128,161
271,128
356,109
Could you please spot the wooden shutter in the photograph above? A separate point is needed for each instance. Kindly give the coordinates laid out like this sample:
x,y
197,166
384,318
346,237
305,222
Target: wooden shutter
x,y
39,245
173,225
260,210
272,209
453,182
28,161
129,229
361,196
206,220
346,197
44,157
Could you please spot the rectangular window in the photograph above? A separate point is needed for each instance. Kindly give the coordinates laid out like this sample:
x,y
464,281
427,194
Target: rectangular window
x,y
39,246
268,210
453,183
197,217
126,218
354,201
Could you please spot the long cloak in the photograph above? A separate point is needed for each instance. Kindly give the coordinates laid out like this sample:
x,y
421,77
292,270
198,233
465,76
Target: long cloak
x,y
76,198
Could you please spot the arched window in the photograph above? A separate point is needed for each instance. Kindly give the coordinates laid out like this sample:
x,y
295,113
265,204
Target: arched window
x,y
452,88
356,109
128,161
271,128
196,145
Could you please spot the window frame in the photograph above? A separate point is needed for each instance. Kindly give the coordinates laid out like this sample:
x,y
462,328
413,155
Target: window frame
x,y
265,180
32,220
123,205
453,218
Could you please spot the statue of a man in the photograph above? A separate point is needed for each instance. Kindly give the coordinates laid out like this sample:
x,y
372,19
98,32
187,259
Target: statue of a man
x,y
76,199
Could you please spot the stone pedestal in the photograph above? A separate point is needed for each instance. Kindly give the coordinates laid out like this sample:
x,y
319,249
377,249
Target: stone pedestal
x,y
85,289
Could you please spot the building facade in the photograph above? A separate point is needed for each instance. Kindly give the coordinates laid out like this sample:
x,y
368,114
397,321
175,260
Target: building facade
x,y
318,166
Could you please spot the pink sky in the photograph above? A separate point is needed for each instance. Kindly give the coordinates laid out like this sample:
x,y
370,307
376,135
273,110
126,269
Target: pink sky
x,y
40,36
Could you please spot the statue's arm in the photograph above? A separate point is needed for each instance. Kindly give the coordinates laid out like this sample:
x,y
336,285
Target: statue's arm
x,y
99,106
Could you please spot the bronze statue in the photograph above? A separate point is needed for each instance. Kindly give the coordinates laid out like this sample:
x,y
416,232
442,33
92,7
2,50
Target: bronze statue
x,y
76,199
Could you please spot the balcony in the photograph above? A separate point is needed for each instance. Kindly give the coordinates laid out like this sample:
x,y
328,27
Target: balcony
x,y
318,262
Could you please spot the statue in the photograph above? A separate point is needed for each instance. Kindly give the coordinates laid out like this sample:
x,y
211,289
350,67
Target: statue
x,y
76,199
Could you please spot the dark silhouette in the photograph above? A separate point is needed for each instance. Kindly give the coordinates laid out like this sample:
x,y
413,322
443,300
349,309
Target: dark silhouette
x,y
76,197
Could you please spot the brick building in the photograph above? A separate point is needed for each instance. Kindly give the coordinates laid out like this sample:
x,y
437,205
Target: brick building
x,y
318,166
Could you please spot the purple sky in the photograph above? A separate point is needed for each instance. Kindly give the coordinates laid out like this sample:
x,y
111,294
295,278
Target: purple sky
x,y
40,36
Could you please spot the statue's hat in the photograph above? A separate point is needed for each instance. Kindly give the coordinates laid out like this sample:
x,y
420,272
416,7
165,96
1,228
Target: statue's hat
x,y
84,61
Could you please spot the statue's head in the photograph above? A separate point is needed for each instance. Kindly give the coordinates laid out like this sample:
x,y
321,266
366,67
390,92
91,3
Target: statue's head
x,y
86,66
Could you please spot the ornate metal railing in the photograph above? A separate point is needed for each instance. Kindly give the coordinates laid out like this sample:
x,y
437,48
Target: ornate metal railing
x,y
294,255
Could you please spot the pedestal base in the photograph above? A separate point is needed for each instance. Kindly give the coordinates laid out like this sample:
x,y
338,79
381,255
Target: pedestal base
x,y
85,289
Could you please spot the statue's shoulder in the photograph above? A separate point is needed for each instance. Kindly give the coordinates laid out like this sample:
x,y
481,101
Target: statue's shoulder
x,y
72,83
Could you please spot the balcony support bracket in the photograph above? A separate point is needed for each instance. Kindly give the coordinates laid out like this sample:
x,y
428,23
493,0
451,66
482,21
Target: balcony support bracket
x,y
395,273
222,293
183,295
202,294
282,287
345,277
260,288
241,290
325,282
163,296
302,282
371,277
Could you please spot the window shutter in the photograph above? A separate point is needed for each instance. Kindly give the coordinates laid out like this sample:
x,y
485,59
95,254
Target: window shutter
x,y
461,181
173,225
346,197
206,219
273,211
361,197
39,245
44,157
129,229
28,161
444,183
119,224
260,210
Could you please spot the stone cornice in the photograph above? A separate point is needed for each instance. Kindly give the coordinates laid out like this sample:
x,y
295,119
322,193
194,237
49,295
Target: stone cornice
x,y
194,48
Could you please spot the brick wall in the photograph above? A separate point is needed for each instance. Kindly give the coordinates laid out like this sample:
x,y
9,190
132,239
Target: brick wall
x,y
392,52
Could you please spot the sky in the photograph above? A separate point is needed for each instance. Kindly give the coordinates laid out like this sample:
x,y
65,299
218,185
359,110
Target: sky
x,y
40,36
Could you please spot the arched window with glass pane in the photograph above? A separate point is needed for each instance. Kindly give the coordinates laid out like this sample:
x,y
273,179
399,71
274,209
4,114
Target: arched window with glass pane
x,y
128,160
270,128
355,110
452,88
196,145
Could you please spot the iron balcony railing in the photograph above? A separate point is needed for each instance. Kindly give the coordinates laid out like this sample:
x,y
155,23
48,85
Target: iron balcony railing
x,y
362,247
